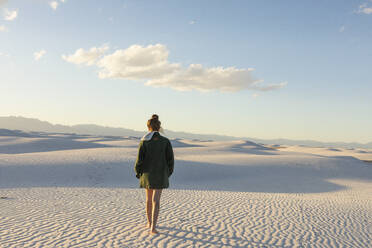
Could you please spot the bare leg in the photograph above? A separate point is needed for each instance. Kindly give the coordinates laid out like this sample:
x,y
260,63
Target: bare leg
x,y
155,210
149,193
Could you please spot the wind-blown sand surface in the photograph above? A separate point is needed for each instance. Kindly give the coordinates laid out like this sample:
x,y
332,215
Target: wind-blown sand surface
x,y
80,191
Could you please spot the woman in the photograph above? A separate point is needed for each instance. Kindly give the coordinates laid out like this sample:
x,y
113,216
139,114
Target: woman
x,y
154,165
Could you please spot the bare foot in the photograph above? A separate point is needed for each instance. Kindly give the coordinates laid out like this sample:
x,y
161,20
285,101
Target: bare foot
x,y
153,232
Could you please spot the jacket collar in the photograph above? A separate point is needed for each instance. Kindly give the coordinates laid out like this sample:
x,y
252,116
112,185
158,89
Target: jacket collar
x,y
149,135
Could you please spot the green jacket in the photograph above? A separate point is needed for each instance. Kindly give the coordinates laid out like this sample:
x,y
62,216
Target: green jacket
x,y
155,162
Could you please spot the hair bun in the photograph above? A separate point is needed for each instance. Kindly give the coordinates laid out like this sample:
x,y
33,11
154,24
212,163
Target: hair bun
x,y
154,124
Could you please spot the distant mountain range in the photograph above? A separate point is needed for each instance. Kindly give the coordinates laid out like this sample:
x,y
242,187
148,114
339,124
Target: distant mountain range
x,y
31,124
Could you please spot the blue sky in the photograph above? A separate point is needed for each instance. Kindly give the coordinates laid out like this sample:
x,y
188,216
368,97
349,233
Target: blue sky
x,y
315,58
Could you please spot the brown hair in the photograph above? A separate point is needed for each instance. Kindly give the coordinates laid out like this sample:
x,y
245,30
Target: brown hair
x,y
154,123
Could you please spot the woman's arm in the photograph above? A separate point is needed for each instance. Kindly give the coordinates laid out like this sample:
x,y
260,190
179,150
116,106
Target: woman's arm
x,y
140,160
170,158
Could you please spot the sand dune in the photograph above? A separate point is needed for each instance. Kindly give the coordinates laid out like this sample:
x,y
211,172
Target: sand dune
x,y
80,191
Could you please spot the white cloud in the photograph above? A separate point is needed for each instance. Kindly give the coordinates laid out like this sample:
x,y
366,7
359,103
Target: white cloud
x,y
3,2
3,28
137,63
365,9
53,4
150,65
7,55
38,55
197,77
88,57
10,15
342,29
192,22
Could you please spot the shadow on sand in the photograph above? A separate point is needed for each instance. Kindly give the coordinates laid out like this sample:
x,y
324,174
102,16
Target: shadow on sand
x,y
271,178
37,142
47,145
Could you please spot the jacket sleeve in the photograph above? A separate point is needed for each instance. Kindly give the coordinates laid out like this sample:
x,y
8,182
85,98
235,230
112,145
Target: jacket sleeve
x,y
140,160
170,158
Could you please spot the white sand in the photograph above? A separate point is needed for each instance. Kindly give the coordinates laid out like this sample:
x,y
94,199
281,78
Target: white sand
x,y
62,191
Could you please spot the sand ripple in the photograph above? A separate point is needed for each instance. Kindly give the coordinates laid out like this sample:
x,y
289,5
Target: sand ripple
x,y
114,217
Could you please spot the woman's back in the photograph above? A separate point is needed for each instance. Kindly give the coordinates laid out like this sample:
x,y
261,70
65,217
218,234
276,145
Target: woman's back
x,y
155,162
